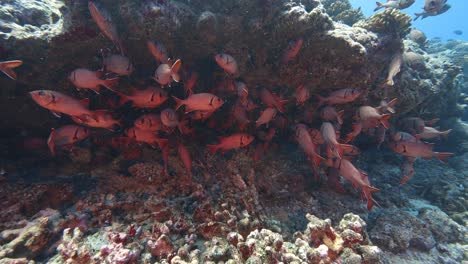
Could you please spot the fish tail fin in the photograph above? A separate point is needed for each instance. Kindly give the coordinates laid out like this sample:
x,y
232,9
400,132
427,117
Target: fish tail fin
x,y
339,117
391,104
384,120
175,70
379,6
51,143
390,82
445,133
179,102
417,15
7,68
368,190
404,179
212,148
443,156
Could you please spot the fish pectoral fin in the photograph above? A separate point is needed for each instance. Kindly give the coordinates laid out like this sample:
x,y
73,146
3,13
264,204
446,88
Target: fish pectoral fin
x,y
56,114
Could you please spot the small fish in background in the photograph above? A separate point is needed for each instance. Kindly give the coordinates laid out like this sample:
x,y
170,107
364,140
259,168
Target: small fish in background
x,y
341,96
370,117
158,51
398,4
118,64
430,133
227,63
458,32
266,116
304,140
433,5
86,79
302,95
435,12
7,67
234,141
164,73
272,100
394,68
150,97
418,150
200,101
104,22
293,48
59,103
407,170
66,136
145,136
185,157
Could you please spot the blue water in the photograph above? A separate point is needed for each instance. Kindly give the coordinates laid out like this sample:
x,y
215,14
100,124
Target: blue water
x,y
442,26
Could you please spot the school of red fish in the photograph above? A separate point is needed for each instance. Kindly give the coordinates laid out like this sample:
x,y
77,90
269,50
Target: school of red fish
x,y
318,135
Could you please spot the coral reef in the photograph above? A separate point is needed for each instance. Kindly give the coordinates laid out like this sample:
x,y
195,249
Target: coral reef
x,y
391,21
342,11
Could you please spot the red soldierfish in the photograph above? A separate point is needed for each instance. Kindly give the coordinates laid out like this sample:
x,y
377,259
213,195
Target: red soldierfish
x,y
149,122
7,67
407,170
151,97
329,137
104,22
158,51
242,91
59,103
357,178
266,116
270,99
201,101
66,135
184,156
227,63
118,64
234,141
103,119
340,97
164,73
302,95
328,113
87,79
145,136
418,150
302,136
292,50
430,132
369,117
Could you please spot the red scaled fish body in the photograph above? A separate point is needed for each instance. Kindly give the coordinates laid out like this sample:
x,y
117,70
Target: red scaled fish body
x,y
201,101
358,178
86,79
302,137
234,141
329,137
102,119
7,67
145,136
266,116
342,96
66,135
151,97
370,117
165,72
271,100
59,103
104,22
118,64
292,50
302,95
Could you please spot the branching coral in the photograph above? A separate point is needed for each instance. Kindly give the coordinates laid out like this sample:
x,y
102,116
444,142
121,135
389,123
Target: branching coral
x,y
390,21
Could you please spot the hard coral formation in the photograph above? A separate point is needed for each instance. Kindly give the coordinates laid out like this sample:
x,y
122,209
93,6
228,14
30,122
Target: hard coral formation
x,y
391,21
342,11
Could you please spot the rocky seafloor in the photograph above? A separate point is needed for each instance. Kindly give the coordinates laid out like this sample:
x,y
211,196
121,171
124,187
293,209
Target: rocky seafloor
x,y
95,205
